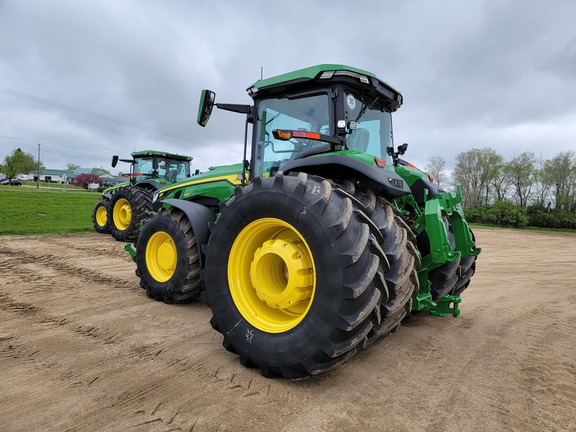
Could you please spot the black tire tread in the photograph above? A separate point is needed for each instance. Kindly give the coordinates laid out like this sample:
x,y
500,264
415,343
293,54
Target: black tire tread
x,y
400,279
186,285
105,202
452,277
466,271
375,292
141,204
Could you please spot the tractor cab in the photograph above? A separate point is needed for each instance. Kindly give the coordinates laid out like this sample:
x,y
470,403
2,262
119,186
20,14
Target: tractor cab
x,y
330,120
151,165
321,109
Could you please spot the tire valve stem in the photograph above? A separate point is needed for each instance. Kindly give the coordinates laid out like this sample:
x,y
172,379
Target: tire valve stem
x,y
298,256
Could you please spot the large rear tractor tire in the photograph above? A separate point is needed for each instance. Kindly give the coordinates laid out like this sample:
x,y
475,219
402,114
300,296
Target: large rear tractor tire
x,y
297,275
100,219
128,208
168,258
399,245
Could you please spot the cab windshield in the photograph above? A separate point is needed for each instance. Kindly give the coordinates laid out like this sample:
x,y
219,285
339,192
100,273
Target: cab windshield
x,y
166,168
144,168
173,170
373,132
310,113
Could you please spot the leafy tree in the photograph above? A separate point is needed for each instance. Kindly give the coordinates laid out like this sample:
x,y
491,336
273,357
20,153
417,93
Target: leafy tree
x,y
542,188
19,163
501,182
436,167
521,171
560,172
490,163
72,166
465,175
475,171
85,179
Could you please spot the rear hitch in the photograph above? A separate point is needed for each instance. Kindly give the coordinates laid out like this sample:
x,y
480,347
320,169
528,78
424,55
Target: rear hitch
x,y
446,305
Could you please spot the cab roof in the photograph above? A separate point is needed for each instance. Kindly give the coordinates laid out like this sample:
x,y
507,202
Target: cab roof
x,y
144,153
324,74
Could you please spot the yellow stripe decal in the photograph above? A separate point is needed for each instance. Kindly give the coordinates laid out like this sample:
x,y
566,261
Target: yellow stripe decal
x,y
233,179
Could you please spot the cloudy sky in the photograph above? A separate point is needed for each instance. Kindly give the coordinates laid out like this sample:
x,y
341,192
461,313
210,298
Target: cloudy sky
x,y
89,79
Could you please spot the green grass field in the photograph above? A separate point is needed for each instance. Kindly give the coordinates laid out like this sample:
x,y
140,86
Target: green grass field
x,y
58,210
27,210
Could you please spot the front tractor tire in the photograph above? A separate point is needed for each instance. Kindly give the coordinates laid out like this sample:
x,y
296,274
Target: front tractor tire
x,y
128,208
466,270
297,275
168,258
452,278
100,219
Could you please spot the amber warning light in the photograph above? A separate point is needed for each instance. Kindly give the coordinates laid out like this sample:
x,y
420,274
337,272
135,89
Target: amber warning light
x,y
287,134
282,134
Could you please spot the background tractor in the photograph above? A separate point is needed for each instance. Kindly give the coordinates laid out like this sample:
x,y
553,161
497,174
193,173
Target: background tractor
x,y
321,242
122,207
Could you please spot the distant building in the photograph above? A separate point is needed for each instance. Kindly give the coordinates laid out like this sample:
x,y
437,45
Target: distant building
x,y
49,176
79,171
66,176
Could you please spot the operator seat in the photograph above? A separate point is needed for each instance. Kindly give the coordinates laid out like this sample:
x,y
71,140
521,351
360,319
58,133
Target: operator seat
x,y
359,140
172,175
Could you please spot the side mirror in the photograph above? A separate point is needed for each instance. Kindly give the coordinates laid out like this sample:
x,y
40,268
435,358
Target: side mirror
x,y
402,148
207,98
114,161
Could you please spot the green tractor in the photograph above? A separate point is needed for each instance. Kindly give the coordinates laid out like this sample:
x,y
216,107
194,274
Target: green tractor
x,y
323,241
122,207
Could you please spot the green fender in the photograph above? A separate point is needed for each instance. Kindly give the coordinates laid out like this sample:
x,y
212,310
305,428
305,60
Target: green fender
x,y
199,217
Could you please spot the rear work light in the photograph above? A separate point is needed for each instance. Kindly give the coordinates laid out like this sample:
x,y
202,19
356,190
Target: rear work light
x,y
329,74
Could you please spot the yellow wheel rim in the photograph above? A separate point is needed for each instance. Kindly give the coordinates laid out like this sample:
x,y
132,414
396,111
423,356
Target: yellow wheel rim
x,y
122,214
161,256
101,216
271,275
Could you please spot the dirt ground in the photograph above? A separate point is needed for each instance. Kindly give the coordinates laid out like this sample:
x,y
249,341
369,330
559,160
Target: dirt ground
x,y
82,348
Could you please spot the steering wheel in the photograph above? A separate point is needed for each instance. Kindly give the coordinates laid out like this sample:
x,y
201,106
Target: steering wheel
x,y
300,144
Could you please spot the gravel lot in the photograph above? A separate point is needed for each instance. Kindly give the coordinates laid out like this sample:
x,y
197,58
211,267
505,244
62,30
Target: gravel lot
x,y
82,348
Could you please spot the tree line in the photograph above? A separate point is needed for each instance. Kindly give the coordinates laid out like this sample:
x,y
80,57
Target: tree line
x,y
521,189
485,177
